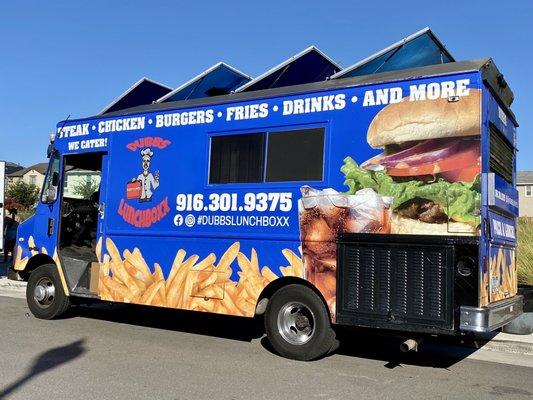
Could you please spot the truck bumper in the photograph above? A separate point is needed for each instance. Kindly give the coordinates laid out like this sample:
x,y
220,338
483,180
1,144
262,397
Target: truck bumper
x,y
491,317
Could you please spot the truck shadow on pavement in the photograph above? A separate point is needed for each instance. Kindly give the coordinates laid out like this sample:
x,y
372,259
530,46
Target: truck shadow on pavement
x,y
439,353
435,352
46,361
223,326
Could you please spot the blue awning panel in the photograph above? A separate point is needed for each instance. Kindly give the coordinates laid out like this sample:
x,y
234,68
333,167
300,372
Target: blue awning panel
x,y
144,91
310,65
217,80
418,50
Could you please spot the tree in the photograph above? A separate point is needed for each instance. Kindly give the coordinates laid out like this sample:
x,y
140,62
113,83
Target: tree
x,y
85,189
23,193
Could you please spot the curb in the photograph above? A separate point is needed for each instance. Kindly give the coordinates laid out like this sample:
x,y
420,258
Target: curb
x,y
509,347
10,284
502,342
11,288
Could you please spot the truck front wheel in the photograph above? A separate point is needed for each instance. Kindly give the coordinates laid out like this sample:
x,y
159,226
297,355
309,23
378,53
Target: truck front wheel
x,y
44,293
297,324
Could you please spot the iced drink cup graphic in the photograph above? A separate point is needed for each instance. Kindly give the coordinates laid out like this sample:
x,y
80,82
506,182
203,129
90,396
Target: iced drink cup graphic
x,y
325,213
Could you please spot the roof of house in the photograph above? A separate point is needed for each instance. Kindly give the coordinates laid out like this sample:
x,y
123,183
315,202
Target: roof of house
x,y
41,168
12,167
524,177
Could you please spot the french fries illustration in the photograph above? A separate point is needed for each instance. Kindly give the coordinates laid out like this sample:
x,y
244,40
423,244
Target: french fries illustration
x,y
19,263
193,283
506,274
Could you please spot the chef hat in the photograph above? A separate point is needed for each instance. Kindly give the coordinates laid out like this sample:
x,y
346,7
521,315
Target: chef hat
x,y
147,152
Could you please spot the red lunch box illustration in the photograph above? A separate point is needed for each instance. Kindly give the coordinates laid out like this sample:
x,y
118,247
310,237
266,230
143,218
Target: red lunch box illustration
x,y
133,190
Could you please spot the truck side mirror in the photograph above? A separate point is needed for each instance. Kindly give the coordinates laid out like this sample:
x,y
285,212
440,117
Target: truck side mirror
x,y
49,195
49,150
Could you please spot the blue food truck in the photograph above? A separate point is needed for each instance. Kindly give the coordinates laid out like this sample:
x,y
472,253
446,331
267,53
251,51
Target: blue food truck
x,y
382,200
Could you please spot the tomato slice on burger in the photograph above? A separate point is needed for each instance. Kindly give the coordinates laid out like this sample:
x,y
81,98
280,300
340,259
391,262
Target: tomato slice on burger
x,y
457,160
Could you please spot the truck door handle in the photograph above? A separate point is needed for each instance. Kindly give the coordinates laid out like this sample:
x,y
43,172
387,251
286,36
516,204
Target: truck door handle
x,y
101,213
101,210
50,226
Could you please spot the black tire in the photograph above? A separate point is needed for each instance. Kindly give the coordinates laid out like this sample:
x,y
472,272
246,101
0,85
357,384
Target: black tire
x,y
54,301
313,326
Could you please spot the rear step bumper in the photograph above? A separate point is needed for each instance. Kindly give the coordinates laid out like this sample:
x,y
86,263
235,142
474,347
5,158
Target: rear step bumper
x,y
491,317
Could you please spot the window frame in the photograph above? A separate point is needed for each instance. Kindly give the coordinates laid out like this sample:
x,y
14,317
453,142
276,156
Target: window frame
x,y
530,187
267,130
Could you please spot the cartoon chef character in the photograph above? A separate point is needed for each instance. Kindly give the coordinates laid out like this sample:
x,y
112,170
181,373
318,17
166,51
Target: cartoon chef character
x,y
148,180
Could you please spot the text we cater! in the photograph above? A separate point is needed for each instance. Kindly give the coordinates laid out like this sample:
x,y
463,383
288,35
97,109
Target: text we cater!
x,y
356,200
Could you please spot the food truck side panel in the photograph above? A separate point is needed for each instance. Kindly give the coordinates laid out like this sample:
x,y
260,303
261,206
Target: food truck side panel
x,y
172,237
498,274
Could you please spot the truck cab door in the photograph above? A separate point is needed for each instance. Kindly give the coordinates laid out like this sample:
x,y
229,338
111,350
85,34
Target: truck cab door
x,y
102,203
47,212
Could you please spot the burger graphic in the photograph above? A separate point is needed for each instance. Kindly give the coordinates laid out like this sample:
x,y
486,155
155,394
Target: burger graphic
x,y
429,166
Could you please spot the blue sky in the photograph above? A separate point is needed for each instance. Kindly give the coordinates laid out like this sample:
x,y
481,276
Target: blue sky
x,y
72,57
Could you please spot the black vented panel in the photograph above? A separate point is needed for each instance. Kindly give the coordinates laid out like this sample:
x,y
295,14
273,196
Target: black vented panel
x,y
394,284
501,154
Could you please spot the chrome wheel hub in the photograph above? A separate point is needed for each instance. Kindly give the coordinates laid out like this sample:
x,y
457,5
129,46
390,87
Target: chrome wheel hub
x,y
44,292
296,323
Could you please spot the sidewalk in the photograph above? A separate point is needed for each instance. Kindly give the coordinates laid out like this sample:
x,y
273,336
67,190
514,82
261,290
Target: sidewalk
x,y
506,342
8,287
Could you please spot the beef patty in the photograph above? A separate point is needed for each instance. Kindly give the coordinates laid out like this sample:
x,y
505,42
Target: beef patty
x,y
423,210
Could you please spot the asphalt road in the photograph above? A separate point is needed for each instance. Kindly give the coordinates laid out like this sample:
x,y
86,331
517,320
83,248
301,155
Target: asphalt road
x,y
133,353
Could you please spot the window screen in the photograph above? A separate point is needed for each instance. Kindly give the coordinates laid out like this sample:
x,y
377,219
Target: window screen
x,y
295,155
501,154
236,158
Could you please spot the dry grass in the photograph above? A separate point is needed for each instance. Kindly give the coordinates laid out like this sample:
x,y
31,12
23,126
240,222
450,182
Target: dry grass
x,y
525,251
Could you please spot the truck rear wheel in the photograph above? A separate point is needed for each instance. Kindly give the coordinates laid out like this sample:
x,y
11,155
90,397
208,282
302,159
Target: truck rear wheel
x,y
297,324
44,293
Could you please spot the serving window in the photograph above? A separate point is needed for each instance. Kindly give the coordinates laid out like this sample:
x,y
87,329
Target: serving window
x,y
237,158
275,156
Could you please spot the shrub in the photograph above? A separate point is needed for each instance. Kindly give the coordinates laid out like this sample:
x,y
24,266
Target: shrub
x,y
23,193
525,251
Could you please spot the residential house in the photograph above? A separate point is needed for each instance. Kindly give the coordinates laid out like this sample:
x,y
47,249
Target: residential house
x,y
524,184
76,179
33,175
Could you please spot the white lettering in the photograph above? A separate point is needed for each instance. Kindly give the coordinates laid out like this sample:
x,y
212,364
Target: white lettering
x,y
122,124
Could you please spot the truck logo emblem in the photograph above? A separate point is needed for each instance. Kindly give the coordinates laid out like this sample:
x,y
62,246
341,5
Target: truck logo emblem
x,y
143,186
